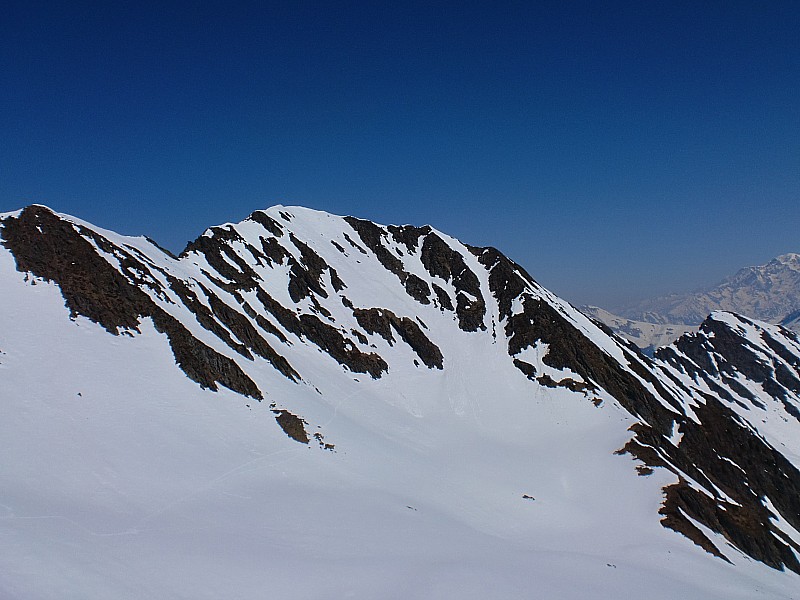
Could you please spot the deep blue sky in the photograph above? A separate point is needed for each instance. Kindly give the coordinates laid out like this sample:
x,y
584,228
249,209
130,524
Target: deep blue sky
x,y
616,149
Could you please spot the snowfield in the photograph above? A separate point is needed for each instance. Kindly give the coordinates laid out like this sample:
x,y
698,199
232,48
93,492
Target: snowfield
x,y
123,478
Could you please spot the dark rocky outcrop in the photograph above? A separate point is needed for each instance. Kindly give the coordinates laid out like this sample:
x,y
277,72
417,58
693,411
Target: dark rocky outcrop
x,y
722,453
418,288
51,248
440,260
527,368
243,329
382,321
305,276
305,281
213,247
445,303
718,354
274,253
354,244
372,235
569,349
408,235
326,337
267,222
507,280
341,349
292,425
724,457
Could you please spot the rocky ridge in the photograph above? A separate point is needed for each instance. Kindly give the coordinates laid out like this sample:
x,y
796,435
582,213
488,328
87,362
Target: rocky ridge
x,y
289,283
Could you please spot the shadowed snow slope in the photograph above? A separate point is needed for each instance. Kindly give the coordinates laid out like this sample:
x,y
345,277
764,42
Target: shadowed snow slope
x,y
313,406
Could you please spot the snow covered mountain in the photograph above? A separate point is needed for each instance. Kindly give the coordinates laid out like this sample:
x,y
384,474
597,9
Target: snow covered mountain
x,y
310,405
766,292
647,336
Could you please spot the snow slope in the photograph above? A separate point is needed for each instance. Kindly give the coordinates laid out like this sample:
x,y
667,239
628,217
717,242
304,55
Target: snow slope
x,y
143,464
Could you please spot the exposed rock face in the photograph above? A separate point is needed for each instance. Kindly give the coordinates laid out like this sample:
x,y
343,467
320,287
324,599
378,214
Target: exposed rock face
x,y
444,262
305,281
57,251
292,425
709,460
742,374
374,236
383,321
742,362
288,287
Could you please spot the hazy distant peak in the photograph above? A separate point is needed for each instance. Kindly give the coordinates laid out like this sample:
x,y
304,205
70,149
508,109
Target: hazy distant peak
x,y
767,292
790,258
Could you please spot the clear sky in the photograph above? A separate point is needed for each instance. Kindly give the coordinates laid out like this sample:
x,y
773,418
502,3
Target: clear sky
x,y
617,150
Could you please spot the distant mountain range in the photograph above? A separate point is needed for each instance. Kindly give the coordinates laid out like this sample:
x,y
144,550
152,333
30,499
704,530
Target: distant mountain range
x,y
303,405
647,336
766,292
769,292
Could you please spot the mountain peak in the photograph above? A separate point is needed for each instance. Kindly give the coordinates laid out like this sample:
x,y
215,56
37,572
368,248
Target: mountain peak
x,y
766,292
372,384
790,258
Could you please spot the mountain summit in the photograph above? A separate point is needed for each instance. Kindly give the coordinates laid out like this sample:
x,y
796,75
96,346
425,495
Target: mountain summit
x,y
309,404
766,292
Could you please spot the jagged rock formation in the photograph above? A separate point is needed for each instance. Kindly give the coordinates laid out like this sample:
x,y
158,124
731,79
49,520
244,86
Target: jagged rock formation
x,y
297,308
746,377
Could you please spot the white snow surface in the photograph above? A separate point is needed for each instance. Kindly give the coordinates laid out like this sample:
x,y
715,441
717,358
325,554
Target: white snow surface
x,y
121,478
